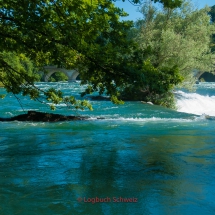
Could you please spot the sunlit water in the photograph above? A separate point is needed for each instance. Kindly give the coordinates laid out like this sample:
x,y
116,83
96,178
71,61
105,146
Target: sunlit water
x,y
163,160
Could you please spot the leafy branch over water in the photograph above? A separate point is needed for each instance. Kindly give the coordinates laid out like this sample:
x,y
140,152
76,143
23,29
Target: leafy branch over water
x,y
113,57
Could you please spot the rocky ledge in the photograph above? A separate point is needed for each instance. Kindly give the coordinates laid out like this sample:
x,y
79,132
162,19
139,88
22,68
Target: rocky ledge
x,y
35,116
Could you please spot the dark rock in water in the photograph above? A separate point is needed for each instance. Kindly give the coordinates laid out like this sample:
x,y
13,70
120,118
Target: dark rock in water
x,y
42,117
209,117
100,118
99,98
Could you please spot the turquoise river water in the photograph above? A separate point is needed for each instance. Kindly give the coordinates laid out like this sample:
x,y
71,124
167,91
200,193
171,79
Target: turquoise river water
x,y
141,159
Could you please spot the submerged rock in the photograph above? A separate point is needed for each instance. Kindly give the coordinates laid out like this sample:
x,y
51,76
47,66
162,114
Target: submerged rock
x,y
209,117
42,117
99,98
150,103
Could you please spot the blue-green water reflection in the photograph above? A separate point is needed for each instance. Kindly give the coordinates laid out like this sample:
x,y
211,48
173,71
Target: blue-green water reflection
x,y
162,158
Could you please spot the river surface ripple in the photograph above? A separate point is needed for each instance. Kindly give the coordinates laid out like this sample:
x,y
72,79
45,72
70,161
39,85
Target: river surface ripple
x,y
140,159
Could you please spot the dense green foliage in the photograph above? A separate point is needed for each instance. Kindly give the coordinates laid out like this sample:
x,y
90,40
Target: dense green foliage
x,y
16,74
212,14
167,3
179,38
155,86
82,34
64,33
89,35
58,76
172,44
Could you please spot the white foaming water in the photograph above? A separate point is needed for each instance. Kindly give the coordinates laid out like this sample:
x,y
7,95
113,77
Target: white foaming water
x,y
146,120
195,103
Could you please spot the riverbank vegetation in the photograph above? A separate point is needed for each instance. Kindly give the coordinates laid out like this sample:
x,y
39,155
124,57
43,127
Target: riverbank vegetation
x,y
212,15
175,42
145,60
58,76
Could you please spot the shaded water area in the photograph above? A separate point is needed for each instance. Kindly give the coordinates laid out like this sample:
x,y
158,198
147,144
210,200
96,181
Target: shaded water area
x,y
162,160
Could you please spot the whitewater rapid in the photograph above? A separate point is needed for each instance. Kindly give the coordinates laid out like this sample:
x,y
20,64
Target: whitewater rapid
x,y
195,103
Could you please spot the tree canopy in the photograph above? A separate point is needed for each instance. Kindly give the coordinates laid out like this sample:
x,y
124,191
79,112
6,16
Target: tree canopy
x,y
212,13
88,35
84,34
180,37
166,3
172,43
64,33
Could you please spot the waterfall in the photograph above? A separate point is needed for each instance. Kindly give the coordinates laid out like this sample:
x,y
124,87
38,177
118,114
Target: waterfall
x,y
195,103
